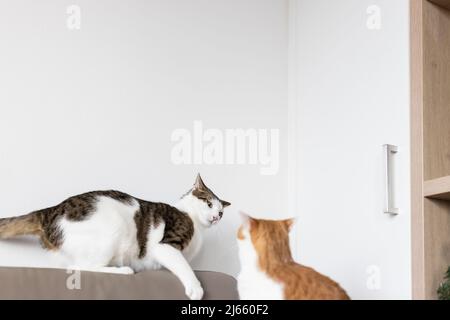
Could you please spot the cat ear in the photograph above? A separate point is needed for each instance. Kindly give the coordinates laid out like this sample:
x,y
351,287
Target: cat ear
x,y
244,217
289,223
225,203
199,184
247,220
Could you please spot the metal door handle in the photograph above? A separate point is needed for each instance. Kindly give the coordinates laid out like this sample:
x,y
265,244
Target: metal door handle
x,y
389,206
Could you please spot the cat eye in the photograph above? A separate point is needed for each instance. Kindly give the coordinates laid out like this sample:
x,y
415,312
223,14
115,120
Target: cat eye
x,y
209,204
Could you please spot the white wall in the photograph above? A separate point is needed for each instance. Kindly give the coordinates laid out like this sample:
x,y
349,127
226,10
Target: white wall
x,y
95,108
353,97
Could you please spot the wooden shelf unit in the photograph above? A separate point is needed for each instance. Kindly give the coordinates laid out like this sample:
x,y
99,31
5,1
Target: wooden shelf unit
x,y
442,3
430,143
437,188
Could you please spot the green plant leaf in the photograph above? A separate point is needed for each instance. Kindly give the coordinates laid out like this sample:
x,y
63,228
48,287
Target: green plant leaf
x,y
444,288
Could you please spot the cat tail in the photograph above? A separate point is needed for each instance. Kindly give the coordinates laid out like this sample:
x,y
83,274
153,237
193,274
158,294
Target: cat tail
x,y
28,224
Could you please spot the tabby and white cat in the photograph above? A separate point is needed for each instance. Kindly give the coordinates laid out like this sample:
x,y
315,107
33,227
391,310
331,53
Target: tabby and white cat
x,y
268,271
110,231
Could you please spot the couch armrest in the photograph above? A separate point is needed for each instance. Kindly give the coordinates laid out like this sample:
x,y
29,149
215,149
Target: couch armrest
x,y
43,283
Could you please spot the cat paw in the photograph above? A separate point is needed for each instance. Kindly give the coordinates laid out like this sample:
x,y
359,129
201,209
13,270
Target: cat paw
x,y
194,291
124,270
114,270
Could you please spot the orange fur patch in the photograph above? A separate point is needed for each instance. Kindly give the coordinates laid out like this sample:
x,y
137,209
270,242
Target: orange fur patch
x,y
271,241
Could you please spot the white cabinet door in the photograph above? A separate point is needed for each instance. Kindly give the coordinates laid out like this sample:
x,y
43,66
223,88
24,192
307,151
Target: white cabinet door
x,y
352,65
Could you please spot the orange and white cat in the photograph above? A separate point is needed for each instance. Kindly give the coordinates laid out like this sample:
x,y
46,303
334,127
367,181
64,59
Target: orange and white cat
x,y
268,271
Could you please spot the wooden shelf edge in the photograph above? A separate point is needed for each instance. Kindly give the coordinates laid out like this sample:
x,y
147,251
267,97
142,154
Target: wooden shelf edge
x,y
437,188
442,3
